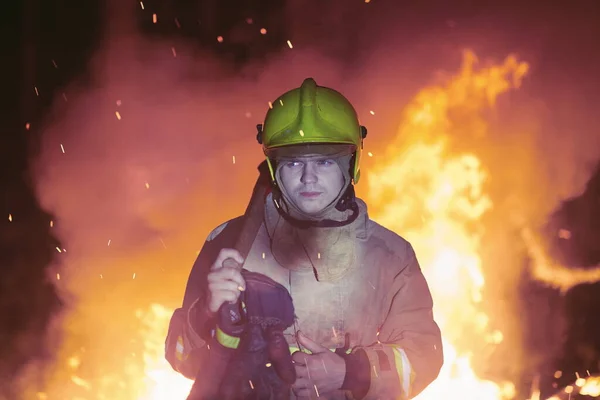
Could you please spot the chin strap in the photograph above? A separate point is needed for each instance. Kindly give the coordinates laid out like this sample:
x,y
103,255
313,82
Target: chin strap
x,y
346,202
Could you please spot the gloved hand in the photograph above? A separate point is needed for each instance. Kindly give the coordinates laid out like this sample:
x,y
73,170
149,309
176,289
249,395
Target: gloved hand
x,y
231,324
262,366
320,372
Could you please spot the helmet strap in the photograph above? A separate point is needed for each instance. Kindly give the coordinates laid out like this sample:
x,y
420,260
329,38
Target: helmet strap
x,y
346,202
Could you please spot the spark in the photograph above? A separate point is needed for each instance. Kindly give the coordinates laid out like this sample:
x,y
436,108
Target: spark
x,y
249,21
241,288
101,277
251,385
569,389
118,115
267,365
10,217
290,44
233,159
36,91
58,249
263,31
281,102
51,224
270,105
142,4
80,382
74,362
133,275
174,52
316,390
301,132
27,126
372,112
119,103
220,39
163,243
334,332
57,276
154,18
370,154
54,63
319,255
147,185
307,369
109,240
263,255
177,23
62,148
564,234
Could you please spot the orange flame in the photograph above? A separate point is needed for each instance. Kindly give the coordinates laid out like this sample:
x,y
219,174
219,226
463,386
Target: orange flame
x,y
436,199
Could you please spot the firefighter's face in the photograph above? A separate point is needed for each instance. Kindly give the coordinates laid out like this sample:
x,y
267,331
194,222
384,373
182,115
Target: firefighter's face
x,y
312,182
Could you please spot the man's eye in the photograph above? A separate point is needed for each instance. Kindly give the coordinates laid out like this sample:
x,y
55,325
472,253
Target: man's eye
x,y
294,164
326,163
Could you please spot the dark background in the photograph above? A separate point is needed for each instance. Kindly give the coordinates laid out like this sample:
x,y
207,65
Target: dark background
x,y
33,33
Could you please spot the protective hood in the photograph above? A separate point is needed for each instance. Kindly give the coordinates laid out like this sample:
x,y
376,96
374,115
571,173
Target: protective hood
x,y
329,252
331,213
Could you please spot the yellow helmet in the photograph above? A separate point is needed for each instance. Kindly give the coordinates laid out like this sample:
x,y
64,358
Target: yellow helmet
x,y
312,119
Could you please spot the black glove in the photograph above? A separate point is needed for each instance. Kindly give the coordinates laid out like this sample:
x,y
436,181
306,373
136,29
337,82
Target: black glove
x,y
262,367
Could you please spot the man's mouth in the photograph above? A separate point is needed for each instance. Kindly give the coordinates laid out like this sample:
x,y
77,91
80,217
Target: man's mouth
x,y
310,194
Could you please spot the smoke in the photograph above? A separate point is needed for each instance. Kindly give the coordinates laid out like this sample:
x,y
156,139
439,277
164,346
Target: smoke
x,y
158,147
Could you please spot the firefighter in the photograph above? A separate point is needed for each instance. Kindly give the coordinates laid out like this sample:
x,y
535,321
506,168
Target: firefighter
x,y
363,326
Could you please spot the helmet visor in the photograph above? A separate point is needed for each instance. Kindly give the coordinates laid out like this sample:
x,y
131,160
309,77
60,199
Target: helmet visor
x,y
309,149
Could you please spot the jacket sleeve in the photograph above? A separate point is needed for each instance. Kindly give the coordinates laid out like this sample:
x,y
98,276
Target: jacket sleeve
x,y
408,354
191,325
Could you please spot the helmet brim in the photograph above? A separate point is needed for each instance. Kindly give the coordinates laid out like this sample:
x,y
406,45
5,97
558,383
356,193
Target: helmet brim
x,y
311,149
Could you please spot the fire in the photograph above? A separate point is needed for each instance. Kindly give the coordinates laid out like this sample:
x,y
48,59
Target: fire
x,y
148,377
589,386
436,198
162,381
548,271
433,195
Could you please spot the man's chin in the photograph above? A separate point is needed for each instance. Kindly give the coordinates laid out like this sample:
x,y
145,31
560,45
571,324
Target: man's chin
x,y
311,209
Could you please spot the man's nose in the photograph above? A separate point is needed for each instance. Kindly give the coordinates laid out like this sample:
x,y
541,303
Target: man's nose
x,y
308,173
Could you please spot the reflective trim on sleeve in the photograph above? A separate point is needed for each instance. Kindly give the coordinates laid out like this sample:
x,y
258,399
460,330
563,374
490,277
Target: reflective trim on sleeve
x,y
405,371
294,349
180,349
226,340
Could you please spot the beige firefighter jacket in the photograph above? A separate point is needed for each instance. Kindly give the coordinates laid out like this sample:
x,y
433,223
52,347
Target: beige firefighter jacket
x,y
383,303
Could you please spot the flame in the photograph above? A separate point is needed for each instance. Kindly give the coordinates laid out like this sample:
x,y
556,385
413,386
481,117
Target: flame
x,y
589,386
550,272
149,377
436,198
